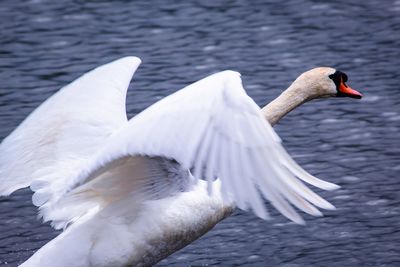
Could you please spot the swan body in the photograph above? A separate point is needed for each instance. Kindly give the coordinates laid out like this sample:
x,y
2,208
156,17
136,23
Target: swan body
x,y
131,192
163,227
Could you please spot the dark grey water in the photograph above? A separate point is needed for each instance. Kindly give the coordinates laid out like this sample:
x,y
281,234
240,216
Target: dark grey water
x,y
46,44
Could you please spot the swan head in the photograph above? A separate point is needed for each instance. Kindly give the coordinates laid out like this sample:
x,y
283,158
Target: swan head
x,y
324,82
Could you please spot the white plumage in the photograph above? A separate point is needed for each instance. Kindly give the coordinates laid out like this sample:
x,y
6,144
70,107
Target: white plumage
x,y
108,178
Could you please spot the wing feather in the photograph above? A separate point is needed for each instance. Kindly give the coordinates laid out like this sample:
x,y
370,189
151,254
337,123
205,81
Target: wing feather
x,y
215,129
211,127
65,130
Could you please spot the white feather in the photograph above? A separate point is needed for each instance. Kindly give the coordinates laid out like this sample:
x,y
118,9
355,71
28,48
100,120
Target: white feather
x,y
211,126
229,120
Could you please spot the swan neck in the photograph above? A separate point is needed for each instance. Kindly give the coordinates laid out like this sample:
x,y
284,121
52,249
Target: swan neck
x,y
291,98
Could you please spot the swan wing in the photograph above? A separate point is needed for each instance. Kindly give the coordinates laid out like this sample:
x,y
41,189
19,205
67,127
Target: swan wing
x,y
215,130
57,137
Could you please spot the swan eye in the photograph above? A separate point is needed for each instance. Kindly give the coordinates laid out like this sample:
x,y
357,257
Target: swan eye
x,y
338,77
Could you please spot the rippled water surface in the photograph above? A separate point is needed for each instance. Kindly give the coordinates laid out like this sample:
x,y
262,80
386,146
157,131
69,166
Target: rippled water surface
x,y
46,44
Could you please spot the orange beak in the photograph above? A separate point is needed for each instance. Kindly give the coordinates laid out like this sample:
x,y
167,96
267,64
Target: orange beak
x,y
347,91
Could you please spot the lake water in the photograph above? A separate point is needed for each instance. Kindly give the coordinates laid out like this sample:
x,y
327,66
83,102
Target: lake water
x,y
46,44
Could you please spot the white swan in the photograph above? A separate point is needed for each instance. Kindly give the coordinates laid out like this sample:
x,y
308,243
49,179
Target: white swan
x,y
123,190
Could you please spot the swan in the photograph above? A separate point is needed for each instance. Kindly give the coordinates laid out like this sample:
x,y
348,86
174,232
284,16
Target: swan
x,y
131,192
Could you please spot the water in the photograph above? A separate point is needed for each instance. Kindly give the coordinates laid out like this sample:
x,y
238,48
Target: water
x,y
46,44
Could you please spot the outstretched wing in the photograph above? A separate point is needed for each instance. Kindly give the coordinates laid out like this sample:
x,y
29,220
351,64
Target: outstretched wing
x,y
56,139
215,129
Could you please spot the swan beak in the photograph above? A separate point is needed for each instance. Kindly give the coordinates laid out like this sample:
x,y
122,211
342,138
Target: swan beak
x,y
345,90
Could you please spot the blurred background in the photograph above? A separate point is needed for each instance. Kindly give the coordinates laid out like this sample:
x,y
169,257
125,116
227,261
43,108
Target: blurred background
x,y
46,44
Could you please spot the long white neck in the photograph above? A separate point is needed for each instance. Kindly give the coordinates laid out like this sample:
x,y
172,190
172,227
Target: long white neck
x,y
291,98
